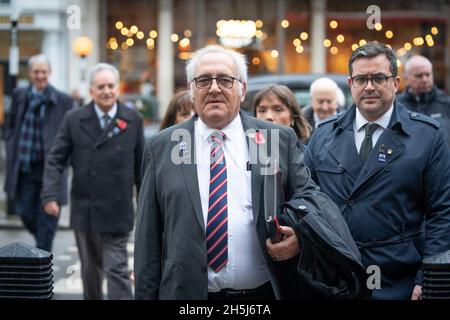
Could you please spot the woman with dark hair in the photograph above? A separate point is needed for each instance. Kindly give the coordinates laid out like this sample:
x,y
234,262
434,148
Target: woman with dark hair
x,y
179,110
277,104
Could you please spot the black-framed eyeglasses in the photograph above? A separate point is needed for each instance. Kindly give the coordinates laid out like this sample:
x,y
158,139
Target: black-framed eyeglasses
x,y
379,80
204,82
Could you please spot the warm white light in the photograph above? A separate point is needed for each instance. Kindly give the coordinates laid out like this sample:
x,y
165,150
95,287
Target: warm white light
x,y
284,23
389,34
134,29
327,42
333,24
236,33
274,53
299,49
174,37
340,38
304,36
153,34
119,25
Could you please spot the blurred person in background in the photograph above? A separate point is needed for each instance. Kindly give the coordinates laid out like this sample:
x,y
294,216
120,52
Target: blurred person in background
x,y
37,112
103,141
180,109
422,95
277,104
325,96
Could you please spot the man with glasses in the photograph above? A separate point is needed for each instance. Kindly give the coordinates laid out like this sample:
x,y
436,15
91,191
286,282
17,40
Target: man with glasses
x,y
388,169
200,230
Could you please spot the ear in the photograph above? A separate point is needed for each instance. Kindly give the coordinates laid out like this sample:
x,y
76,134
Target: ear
x,y
243,88
396,81
349,82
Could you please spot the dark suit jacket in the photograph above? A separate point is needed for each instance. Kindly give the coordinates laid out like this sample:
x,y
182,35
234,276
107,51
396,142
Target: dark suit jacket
x,y
106,165
170,247
59,103
397,203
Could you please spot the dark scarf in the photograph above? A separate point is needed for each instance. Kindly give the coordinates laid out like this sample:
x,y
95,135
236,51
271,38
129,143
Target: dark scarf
x,y
30,142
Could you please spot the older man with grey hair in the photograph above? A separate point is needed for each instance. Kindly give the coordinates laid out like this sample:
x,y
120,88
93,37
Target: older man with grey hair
x,y
422,95
36,115
325,95
200,231
104,142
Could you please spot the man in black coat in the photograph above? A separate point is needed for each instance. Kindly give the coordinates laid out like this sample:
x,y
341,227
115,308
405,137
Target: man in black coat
x,y
104,142
421,95
36,115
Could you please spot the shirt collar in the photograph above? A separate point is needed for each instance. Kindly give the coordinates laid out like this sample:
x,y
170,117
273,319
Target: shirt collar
x,y
382,121
111,113
230,131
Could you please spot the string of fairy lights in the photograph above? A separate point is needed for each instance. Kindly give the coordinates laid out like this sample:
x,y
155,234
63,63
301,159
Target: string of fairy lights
x,y
241,33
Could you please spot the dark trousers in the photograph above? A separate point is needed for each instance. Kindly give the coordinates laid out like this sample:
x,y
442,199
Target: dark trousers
x,y
104,254
28,206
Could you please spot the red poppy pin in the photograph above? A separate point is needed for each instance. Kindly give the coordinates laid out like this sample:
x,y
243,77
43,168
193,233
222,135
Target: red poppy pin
x,y
259,138
121,124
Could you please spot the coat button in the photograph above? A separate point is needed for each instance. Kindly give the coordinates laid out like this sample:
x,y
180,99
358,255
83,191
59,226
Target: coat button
x,y
340,167
376,204
350,203
387,168
414,114
303,208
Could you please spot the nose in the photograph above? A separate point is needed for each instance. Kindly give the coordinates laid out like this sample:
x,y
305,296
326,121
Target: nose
x,y
214,86
269,116
369,86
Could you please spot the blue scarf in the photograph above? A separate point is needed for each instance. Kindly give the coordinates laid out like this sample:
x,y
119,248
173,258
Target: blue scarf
x,y
30,142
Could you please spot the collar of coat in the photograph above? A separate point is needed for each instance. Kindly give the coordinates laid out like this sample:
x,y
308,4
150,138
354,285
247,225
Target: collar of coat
x,y
122,112
400,119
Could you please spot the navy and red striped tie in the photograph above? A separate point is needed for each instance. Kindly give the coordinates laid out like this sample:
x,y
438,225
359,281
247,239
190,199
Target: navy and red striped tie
x,y
217,224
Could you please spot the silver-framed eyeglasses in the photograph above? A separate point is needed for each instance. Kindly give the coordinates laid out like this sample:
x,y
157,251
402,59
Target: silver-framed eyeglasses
x,y
204,82
378,80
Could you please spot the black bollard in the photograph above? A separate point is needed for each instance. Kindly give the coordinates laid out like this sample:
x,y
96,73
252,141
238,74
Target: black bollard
x,y
25,273
436,277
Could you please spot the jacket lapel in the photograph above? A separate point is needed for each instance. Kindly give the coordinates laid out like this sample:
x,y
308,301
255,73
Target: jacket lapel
x,y
250,128
343,149
108,133
89,122
189,170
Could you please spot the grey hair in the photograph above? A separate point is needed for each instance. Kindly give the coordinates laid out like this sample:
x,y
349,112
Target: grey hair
x,y
239,60
415,59
39,58
371,50
323,83
101,67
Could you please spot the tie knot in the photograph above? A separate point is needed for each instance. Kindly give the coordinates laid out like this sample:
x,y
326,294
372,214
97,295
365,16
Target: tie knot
x,y
370,128
217,137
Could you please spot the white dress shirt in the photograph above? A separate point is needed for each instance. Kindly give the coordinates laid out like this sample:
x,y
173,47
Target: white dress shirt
x,y
246,267
360,132
100,113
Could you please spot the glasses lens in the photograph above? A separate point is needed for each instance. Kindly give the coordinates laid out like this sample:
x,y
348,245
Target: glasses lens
x,y
379,79
359,81
225,82
203,82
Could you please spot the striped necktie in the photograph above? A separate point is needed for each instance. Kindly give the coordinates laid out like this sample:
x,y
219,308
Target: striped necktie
x,y
106,120
217,224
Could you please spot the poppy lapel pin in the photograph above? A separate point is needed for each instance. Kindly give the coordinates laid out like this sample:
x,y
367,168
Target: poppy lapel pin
x,y
259,138
121,125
